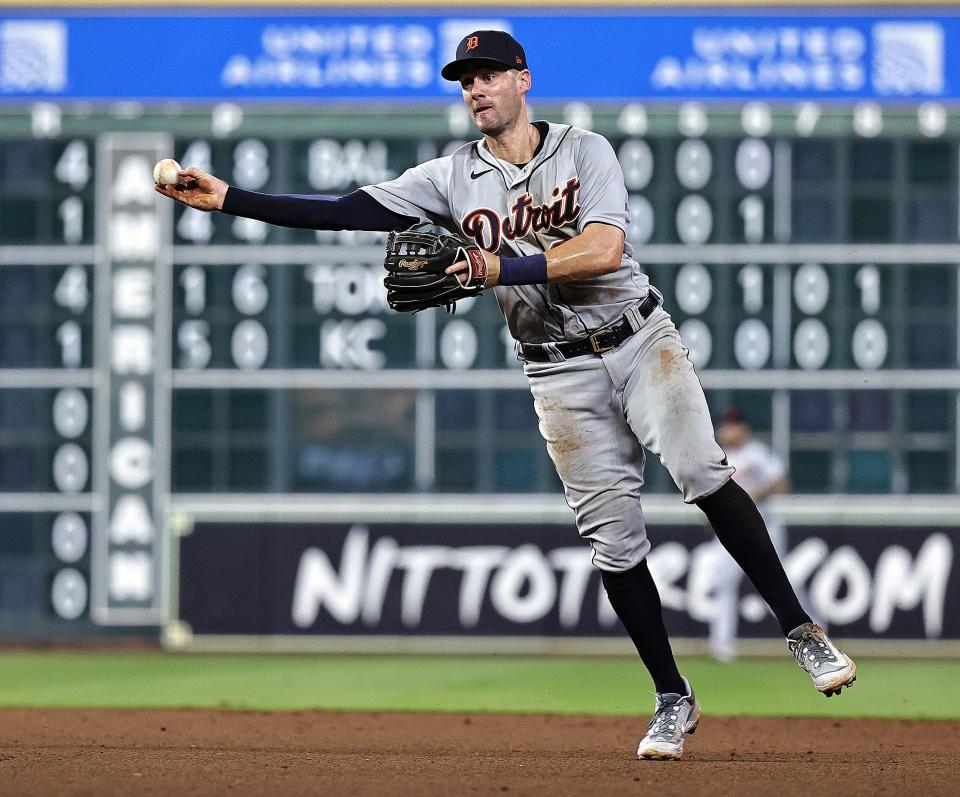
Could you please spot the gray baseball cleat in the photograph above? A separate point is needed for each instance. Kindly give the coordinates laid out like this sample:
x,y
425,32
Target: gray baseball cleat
x,y
675,716
829,667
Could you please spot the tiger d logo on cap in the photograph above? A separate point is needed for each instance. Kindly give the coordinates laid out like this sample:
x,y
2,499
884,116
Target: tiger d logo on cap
x,y
495,47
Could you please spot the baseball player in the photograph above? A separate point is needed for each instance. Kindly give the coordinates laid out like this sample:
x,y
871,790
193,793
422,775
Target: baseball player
x,y
609,375
762,474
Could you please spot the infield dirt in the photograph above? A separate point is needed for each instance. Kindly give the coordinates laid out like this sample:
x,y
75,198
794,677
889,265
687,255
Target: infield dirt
x,y
161,752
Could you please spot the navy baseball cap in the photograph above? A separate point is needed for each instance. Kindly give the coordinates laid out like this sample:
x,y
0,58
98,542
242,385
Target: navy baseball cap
x,y
486,46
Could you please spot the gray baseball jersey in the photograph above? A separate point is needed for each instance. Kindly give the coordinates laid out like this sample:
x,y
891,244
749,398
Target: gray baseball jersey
x,y
597,414
574,179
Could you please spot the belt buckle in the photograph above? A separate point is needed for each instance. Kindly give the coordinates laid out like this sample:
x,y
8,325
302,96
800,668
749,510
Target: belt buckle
x,y
596,345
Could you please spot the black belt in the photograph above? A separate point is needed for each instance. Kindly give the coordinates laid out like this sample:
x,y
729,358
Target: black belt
x,y
600,341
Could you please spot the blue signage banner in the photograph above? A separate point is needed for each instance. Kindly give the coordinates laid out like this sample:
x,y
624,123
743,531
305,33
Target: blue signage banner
x,y
646,55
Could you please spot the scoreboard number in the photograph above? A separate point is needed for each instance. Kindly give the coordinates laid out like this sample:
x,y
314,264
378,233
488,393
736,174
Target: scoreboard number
x,y
249,345
755,119
458,345
193,280
751,211
69,537
71,217
694,164
249,291
69,336
811,288
931,119
694,288
808,115
632,120
753,163
869,344
193,340
73,166
867,120
868,281
750,278
71,468
251,168
71,412
811,344
72,289
751,344
68,593
869,341
692,119
694,220
636,161
69,534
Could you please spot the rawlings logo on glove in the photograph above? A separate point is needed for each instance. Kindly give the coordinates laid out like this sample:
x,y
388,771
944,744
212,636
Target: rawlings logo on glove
x,y
416,262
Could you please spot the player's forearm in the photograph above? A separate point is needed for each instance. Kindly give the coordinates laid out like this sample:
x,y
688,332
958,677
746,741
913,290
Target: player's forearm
x,y
355,211
597,250
565,266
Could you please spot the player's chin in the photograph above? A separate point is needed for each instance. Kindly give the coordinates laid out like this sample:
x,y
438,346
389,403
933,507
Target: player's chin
x,y
489,124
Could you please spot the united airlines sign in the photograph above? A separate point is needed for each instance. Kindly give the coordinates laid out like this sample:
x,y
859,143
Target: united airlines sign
x,y
647,54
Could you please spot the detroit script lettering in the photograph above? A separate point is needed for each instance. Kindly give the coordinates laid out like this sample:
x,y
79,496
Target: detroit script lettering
x,y
485,226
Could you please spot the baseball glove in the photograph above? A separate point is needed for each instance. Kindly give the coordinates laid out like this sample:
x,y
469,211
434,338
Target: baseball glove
x,y
415,264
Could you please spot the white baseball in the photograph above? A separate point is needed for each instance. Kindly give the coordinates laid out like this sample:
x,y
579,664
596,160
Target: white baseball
x,y
165,172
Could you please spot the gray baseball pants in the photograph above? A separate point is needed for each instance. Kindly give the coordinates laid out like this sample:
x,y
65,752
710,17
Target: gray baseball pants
x,y
598,414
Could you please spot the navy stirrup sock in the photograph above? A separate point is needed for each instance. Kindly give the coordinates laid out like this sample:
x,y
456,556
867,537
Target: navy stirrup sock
x,y
635,599
741,530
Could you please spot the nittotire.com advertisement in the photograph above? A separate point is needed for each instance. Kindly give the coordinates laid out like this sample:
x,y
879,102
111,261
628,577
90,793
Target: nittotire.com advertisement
x,y
537,580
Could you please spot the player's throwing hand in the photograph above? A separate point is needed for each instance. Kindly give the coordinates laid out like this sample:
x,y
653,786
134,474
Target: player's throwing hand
x,y
197,189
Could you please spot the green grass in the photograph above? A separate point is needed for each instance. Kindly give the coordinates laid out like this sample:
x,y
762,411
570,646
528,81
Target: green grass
x,y
760,687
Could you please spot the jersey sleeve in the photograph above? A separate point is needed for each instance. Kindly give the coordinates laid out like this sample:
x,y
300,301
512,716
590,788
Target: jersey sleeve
x,y
355,211
421,192
603,195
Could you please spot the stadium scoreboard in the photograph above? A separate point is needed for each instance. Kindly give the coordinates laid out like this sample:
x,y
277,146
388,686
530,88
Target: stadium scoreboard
x,y
149,351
